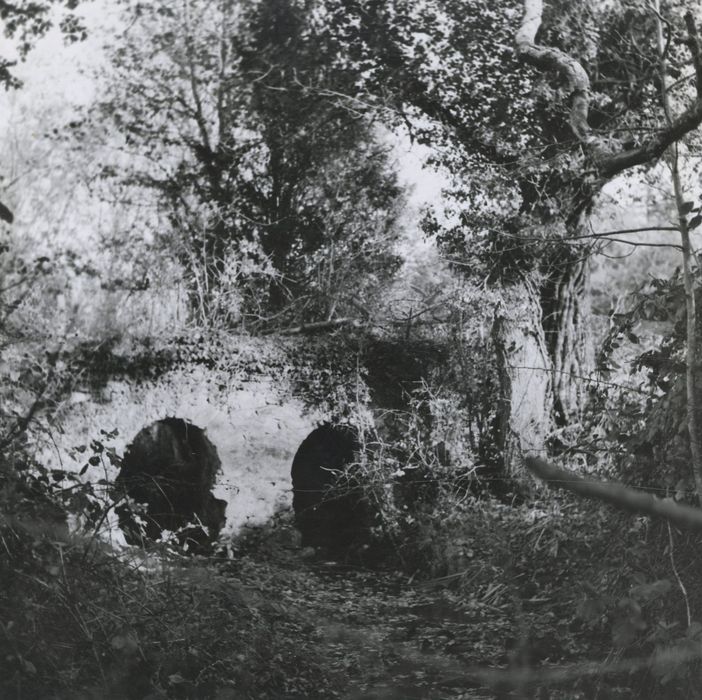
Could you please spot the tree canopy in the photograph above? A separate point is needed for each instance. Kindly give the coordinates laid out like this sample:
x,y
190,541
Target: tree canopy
x,y
229,113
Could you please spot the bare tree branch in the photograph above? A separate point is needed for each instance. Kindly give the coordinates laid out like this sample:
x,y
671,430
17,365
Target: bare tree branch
x,y
554,59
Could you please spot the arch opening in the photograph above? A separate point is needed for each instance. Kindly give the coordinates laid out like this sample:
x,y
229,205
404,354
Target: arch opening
x,y
328,500
170,469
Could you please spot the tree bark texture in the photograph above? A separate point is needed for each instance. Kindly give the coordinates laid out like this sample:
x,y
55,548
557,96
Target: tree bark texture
x,y
525,373
694,409
566,301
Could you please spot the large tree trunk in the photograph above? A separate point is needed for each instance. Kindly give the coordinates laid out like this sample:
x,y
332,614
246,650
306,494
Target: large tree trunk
x,y
525,370
566,303
545,354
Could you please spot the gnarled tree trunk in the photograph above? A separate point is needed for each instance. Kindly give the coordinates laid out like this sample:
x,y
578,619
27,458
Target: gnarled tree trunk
x,y
566,302
525,370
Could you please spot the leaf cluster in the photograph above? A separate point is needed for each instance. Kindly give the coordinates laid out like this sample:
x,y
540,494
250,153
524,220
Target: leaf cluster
x,y
27,21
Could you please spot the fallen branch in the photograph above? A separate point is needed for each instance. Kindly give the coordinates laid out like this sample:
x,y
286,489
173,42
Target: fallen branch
x,y
623,497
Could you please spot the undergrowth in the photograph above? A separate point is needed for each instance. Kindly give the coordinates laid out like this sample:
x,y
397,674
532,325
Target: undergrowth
x,y
81,621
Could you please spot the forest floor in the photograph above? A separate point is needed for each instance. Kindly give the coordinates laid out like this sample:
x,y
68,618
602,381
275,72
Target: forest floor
x,y
274,621
380,633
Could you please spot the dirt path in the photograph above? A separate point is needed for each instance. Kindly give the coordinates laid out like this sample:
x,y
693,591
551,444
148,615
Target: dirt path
x,y
380,634
395,640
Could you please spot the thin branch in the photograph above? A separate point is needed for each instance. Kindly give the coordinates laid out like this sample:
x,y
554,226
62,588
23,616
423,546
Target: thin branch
x,y
671,552
664,49
662,59
641,244
605,234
